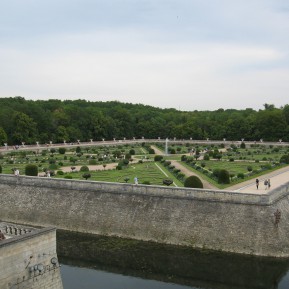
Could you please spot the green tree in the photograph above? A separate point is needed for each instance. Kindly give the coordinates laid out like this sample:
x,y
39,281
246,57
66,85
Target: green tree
x,y
271,125
24,128
61,134
3,136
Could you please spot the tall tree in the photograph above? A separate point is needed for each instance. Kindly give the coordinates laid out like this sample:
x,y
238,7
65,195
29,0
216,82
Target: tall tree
x,y
24,128
3,136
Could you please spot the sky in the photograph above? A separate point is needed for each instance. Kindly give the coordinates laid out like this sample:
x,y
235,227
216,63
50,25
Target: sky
x,y
182,54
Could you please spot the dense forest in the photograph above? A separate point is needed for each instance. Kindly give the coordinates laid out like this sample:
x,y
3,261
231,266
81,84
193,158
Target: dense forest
x,y
55,120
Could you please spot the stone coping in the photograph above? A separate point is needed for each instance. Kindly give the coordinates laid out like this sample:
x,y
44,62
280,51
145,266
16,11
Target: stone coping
x,y
20,238
148,190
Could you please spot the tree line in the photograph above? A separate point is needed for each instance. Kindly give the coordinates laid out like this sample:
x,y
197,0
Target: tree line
x,y
54,120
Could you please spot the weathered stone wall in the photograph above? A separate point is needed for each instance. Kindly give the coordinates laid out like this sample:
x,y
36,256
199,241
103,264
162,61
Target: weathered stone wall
x,y
217,220
26,261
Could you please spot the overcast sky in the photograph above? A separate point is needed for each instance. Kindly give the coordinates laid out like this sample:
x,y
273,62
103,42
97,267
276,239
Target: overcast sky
x,y
184,54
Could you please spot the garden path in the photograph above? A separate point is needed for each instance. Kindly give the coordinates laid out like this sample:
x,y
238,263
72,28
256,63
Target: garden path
x,y
91,167
277,178
185,170
188,173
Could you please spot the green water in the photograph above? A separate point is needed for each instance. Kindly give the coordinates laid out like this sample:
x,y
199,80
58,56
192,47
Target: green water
x,y
113,263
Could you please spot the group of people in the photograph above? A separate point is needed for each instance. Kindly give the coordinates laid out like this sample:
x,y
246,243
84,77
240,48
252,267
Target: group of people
x,y
267,184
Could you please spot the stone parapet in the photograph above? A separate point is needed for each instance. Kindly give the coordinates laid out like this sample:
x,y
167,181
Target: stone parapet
x,y
207,219
29,260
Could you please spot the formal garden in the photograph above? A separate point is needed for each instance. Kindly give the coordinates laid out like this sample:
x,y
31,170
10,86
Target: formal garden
x,y
221,165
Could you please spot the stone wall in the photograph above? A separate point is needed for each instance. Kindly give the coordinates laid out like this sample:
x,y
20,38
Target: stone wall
x,y
27,260
217,220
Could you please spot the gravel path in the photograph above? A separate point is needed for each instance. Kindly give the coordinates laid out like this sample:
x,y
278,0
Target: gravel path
x,y
185,170
277,178
91,168
188,173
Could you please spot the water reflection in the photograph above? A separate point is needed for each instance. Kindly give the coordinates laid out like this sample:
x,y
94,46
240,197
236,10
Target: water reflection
x,y
131,264
75,278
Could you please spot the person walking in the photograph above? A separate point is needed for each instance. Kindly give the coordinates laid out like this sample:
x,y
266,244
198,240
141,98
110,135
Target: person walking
x,y
266,184
257,184
269,183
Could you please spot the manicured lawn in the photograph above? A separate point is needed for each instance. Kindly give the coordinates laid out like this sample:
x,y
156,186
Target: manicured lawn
x,y
146,172
233,167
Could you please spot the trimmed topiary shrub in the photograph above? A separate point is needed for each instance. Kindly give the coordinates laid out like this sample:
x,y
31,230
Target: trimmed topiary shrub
x,y
249,168
53,150
240,176
167,163
31,170
158,158
284,159
172,151
193,182
68,177
84,169
224,177
183,158
62,151
86,176
132,152
167,182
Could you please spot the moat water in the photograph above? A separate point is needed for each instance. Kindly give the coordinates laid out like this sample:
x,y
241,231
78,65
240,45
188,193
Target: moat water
x,y
92,262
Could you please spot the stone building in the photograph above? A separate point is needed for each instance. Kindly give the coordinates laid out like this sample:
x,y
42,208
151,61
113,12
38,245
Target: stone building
x,y
28,258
